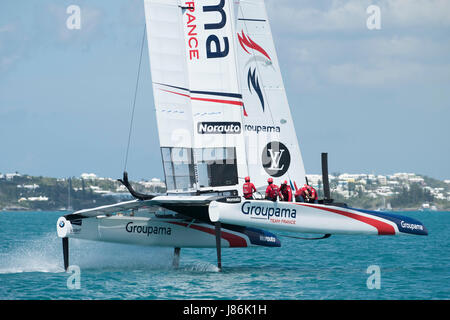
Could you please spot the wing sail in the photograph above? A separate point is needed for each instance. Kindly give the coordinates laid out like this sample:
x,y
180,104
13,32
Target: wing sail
x,y
271,140
221,105
198,102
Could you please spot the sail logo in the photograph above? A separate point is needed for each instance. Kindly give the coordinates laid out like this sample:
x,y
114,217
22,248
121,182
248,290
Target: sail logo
x,y
411,226
247,42
252,81
276,159
192,35
219,127
258,128
214,47
148,230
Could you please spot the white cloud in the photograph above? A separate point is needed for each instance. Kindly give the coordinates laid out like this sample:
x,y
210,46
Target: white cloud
x,y
424,13
327,43
390,62
305,16
350,15
379,74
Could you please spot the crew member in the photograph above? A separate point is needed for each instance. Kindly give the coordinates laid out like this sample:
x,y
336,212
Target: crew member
x,y
273,191
306,194
248,189
286,191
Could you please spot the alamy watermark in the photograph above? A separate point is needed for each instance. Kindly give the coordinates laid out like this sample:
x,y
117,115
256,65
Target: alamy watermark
x,y
74,280
73,22
373,21
374,280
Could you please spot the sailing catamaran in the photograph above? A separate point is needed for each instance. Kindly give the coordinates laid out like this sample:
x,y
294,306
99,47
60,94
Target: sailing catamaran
x,y
222,114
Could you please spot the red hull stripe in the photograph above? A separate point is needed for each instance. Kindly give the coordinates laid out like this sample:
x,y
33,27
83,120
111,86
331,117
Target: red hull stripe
x,y
237,103
234,240
382,227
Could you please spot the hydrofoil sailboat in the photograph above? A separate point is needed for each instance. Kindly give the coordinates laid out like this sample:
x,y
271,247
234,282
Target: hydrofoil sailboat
x,y
222,114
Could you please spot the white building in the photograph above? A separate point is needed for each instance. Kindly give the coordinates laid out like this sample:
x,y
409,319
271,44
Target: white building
x,y
416,180
10,176
403,175
352,177
88,176
153,183
40,198
314,179
28,186
382,180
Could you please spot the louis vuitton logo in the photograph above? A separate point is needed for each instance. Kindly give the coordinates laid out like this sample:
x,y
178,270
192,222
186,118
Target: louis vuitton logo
x,y
275,157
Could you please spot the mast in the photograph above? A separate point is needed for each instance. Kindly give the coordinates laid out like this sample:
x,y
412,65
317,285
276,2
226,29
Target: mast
x,y
69,187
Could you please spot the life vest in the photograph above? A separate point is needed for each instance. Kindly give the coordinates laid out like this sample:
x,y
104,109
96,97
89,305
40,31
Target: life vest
x,y
302,192
248,189
272,191
287,193
313,193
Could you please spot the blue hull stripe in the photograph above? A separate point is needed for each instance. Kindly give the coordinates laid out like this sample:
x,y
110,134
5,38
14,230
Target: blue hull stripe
x,y
404,224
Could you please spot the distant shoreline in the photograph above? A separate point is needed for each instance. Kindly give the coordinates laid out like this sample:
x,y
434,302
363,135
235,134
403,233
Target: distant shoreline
x,y
397,192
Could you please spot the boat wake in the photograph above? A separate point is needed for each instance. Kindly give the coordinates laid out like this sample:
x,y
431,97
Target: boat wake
x,y
200,267
34,255
45,255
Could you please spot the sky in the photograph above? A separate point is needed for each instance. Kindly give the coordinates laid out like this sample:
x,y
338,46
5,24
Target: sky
x,y
377,100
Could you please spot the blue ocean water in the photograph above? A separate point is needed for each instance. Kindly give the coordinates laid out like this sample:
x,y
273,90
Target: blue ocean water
x,y
410,267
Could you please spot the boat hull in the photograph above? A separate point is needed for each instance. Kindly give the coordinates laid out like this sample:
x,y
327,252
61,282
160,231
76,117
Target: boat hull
x,y
161,232
312,218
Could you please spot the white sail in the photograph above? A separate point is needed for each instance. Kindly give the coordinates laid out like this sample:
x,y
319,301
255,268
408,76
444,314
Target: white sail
x,y
196,88
221,106
168,66
272,145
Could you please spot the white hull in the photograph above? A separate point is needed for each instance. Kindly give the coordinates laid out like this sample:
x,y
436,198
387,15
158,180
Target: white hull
x,y
151,232
312,218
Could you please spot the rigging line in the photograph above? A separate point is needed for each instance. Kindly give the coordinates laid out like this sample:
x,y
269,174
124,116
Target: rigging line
x,y
134,100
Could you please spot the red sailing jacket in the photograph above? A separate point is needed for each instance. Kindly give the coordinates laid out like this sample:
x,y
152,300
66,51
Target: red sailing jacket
x,y
273,191
287,193
248,190
312,192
